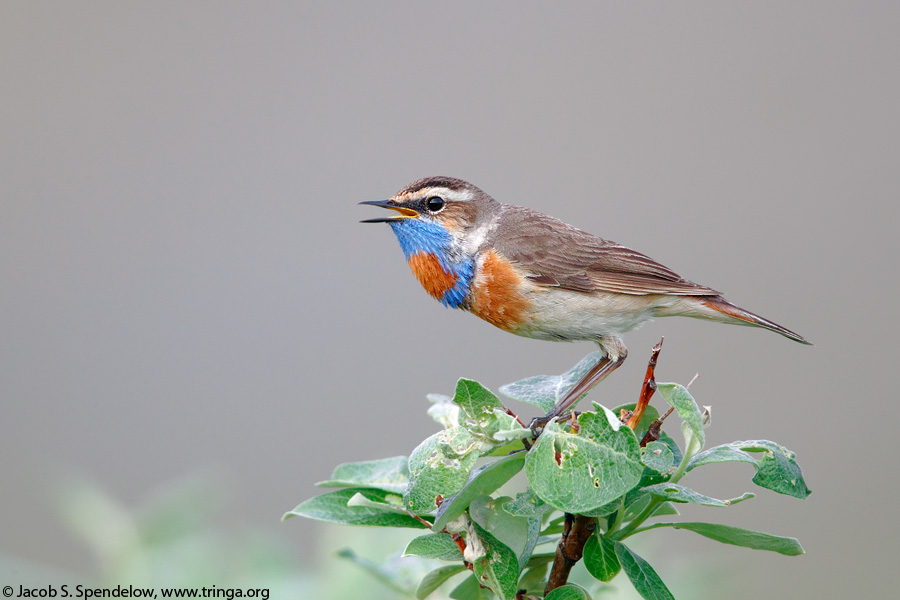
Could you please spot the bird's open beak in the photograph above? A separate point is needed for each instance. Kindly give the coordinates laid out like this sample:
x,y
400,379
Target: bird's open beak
x,y
405,213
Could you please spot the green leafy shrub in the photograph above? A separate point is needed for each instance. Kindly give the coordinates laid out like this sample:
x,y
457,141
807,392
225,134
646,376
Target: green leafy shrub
x,y
592,483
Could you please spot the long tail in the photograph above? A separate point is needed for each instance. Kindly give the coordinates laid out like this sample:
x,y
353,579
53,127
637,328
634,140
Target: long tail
x,y
739,316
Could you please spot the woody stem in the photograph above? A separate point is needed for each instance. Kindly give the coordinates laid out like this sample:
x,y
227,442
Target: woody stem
x,y
577,530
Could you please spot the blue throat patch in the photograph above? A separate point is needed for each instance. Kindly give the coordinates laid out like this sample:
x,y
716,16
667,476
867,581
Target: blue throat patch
x,y
417,236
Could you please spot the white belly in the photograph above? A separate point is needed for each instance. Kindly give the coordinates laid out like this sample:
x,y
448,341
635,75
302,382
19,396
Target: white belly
x,y
562,315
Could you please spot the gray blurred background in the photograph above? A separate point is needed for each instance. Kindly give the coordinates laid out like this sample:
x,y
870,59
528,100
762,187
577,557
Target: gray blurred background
x,y
185,290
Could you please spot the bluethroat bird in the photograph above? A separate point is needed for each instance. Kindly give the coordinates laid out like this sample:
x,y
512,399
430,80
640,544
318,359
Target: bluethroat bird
x,y
533,275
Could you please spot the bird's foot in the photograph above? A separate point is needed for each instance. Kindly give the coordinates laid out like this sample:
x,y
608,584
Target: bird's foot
x,y
538,423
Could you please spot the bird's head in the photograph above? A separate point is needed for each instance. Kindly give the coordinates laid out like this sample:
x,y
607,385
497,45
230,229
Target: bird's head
x,y
438,215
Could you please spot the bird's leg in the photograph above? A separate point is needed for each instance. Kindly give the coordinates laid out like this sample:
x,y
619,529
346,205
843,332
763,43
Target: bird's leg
x,y
595,375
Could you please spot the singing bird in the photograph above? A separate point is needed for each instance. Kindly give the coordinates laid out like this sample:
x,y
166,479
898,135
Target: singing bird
x,y
533,275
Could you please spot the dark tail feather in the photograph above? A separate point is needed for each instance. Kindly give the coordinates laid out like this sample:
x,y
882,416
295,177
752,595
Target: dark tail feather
x,y
745,317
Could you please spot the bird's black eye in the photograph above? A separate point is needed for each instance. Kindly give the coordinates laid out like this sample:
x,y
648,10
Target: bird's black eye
x,y
434,204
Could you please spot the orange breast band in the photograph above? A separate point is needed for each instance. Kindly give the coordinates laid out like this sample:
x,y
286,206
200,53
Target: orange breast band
x,y
497,293
431,274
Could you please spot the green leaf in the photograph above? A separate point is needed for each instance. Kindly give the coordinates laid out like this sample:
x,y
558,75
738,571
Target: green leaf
x,y
658,457
434,545
669,441
480,412
568,592
436,579
335,507
746,538
358,500
519,533
469,589
635,503
648,477
477,404
777,470
389,474
527,504
545,391
577,472
642,576
483,480
678,493
600,558
678,396
439,467
725,453
498,567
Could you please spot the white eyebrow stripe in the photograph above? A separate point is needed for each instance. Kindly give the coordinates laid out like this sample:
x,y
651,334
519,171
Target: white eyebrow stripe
x,y
445,193
461,195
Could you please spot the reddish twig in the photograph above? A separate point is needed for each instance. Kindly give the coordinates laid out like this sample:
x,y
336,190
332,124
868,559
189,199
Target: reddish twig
x,y
647,389
652,434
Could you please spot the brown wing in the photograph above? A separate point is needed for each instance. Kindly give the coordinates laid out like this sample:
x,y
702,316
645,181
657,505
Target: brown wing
x,y
557,254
